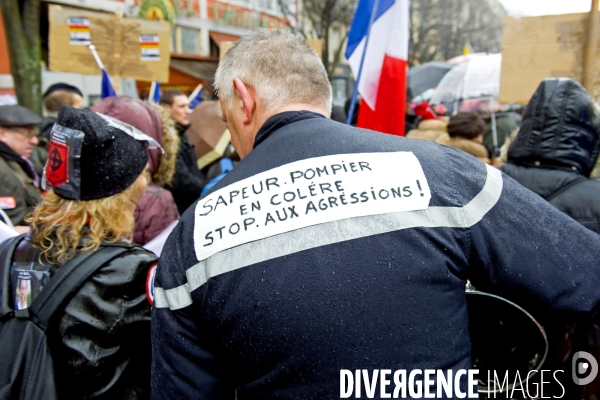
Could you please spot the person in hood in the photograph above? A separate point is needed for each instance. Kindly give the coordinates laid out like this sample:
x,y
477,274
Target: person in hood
x,y
156,209
557,147
333,248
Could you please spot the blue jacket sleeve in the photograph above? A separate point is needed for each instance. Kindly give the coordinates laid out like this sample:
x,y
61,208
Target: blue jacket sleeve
x,y
528,251
182,368
184,365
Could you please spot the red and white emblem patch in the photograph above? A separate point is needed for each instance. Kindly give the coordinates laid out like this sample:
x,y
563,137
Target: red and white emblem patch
x,y
57,167
150,283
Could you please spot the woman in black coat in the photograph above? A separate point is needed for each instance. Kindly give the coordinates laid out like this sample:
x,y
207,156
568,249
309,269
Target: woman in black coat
x,y
100,341
557,147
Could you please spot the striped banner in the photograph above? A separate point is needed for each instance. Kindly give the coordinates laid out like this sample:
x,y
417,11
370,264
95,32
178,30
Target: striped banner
x,y
149,47
79,31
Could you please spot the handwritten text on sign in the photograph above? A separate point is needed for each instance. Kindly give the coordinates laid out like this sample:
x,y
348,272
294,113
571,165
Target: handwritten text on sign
x,y
308,192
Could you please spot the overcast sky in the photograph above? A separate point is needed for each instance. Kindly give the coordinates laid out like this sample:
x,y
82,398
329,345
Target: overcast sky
x,y
545,7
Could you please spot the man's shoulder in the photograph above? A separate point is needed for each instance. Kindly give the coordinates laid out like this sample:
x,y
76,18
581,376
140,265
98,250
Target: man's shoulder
x,y
8,171
4,162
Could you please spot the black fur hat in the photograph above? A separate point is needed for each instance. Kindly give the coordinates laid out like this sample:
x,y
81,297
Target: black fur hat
x,y
92,156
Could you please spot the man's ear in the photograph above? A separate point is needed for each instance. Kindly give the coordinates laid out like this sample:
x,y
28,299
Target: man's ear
x,y
248,103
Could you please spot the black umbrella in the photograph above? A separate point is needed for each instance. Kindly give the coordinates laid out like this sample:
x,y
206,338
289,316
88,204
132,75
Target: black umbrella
x,y
426,76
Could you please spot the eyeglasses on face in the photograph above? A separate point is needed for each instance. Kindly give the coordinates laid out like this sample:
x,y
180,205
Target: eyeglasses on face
x,y
27,132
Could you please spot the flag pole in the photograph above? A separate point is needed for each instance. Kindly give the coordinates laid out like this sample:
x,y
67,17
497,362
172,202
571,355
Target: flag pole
x,y
362,61
195,92
96,56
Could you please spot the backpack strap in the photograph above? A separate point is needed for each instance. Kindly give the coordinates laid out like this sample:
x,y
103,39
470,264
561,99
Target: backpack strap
x,y
68,279
7,249
566,187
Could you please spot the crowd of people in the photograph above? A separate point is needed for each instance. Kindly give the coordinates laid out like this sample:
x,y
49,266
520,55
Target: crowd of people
x,y
327,247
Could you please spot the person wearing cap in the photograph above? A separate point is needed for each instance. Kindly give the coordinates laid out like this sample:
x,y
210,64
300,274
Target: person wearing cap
x,y
19,182
96,172
56,96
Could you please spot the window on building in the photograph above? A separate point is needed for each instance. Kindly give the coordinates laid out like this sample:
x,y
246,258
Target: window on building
x,y
190,40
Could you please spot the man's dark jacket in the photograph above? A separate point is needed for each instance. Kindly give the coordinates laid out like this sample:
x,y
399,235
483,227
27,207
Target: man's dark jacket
x,y
17,182
187,181
279,316
556,149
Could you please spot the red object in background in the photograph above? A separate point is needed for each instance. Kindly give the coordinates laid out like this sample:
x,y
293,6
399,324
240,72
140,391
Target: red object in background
x,y
390,113
425,112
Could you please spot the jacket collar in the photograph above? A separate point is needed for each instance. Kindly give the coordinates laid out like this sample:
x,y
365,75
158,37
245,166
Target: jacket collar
x,y
9,155
280,120
181,128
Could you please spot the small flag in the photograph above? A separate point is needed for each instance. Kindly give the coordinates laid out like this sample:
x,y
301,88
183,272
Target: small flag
x,y
195,98
155,93
107,88
383,76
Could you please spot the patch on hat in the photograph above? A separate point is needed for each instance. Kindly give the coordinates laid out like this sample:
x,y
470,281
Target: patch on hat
x,y
57,170
62,170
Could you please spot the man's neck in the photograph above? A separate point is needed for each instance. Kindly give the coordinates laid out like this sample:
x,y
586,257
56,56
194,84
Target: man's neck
x,y
301,107
290,107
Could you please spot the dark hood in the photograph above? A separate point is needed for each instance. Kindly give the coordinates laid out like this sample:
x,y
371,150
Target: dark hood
x,y
559,130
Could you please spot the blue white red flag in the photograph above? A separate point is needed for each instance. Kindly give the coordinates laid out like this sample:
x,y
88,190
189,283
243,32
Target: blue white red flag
x,y
107,89
155,93
383,78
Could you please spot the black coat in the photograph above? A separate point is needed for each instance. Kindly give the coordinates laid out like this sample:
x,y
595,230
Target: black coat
x,y
556,149
187,181
100,345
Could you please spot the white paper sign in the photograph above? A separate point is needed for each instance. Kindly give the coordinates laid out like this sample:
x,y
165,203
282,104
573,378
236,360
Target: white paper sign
x,y
156,245
308,192
79,31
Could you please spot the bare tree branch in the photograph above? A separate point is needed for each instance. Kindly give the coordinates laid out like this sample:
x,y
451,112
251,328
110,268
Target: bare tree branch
x,y
321,15
441,28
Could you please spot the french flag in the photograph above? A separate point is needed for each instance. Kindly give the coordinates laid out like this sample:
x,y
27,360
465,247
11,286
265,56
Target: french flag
x,y
383,78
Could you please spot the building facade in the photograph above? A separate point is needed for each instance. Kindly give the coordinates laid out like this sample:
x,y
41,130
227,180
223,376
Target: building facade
x,y
199,30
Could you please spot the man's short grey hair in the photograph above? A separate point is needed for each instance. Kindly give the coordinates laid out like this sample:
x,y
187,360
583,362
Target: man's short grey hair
x,y
279,65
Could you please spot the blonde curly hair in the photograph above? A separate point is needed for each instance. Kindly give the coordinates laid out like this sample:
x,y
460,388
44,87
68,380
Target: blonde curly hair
x,y
57,224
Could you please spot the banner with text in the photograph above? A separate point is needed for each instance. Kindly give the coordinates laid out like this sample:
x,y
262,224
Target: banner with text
x,y
308,192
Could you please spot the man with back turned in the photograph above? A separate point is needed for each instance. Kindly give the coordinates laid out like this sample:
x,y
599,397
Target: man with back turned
x,y
333,248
